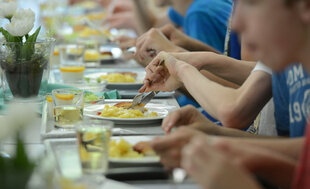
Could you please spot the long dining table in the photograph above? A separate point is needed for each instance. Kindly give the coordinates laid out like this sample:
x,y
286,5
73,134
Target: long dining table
x,y
35,137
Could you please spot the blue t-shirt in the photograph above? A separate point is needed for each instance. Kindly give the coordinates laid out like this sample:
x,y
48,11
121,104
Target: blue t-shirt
x,y
234,47
291,94
175,17
205,20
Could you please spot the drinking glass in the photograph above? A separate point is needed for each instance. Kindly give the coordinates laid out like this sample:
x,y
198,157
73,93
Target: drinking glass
x,y
68,106
71,62
49,102
93,145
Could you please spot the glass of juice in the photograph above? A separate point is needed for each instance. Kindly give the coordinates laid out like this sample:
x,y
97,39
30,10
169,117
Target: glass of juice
x,y
71,62
93,145
68,106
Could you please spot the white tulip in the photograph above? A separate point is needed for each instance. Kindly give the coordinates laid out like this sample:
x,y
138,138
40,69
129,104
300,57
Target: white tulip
x,y
18,115
22,22
7,9
6,129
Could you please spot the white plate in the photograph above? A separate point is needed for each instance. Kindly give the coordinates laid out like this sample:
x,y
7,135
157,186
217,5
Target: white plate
x,y
92,110
121,86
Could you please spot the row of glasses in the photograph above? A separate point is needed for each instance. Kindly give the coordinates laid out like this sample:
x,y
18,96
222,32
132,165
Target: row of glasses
x,y
93,136
71,59
67,107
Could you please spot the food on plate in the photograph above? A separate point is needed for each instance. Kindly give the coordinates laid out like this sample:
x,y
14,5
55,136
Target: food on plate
x,y
106,55
127,105
91,55
144,148
91,97
124,149
72,73
70,184
86,32
120,112
96,16
78,28
134,75
109,53
118,78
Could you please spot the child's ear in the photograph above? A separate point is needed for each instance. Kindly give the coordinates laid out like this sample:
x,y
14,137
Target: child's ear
x,y
303,7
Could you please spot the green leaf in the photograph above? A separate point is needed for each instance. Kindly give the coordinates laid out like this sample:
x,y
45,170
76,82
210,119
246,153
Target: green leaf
x,y
10,38
33,38
21,160
28,48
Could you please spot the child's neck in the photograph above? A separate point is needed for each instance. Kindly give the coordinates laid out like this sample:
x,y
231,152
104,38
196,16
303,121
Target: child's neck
x,y
181,6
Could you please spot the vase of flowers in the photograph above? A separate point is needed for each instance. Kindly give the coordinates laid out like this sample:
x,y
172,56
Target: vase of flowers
x,y
24,59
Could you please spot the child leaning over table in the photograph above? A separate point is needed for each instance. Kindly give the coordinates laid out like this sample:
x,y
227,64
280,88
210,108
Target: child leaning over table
x,y
278,33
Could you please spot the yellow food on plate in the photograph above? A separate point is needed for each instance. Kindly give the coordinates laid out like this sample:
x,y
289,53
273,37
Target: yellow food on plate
x,y
86,32
122,149
69,184
96,16
118,78
119,112
91,55
106,56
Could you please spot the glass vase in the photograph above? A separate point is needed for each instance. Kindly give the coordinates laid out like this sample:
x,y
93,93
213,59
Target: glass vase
x,y
25,69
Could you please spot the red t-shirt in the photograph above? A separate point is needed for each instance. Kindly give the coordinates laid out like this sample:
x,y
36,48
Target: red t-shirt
x,y
302,177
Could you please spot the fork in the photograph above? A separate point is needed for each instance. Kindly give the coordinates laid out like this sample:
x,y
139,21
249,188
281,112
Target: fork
x,y
137,100
143,99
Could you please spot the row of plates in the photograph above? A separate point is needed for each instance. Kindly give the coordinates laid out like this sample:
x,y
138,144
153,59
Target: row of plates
x,y
123,127
65,149
63,142
126,90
